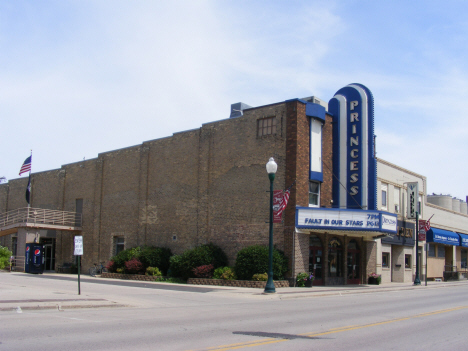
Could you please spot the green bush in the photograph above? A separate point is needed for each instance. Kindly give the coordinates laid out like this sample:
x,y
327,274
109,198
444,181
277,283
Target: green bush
x,y
182,266
260,277
125,256
5,255
226,273
254,259
153,271
149,256
152,256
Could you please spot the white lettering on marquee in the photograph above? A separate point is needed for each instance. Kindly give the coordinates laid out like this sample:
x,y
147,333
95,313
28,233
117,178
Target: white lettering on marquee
x,y
354,165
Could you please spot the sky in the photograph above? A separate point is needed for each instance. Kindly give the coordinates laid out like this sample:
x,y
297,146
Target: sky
x,y
78,78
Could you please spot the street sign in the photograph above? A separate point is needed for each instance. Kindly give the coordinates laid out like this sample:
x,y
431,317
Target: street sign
x,y
78,245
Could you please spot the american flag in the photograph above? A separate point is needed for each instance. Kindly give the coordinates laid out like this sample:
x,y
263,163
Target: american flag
x,y
427,227
26,167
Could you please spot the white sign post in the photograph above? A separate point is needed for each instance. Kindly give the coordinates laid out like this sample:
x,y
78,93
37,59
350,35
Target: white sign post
x,y
78,245
79,253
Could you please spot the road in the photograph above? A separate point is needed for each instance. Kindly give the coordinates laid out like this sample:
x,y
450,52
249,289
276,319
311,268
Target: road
x,y
173,318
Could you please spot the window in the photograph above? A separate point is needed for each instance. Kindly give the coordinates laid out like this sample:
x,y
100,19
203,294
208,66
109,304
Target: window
x,y
385,259
316,145
431,252
384,195
396,199
464,257
440,251
314,194
407,261
266,126
119,244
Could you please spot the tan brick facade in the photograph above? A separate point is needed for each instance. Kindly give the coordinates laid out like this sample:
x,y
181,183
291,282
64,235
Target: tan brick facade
x,y
195,187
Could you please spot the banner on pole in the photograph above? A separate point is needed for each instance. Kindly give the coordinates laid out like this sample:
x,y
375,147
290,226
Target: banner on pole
x,y
277,200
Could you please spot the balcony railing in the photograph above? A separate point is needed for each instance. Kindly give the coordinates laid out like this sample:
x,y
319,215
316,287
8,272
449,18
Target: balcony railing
x,y
40,217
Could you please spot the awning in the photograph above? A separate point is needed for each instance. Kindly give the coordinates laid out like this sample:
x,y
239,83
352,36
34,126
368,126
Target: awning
x,y
442,237
463,240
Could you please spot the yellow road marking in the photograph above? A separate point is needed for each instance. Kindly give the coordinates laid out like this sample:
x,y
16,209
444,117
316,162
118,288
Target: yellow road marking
x,y
331,331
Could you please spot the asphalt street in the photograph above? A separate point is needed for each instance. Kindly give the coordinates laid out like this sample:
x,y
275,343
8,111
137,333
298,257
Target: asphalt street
x,y
45,312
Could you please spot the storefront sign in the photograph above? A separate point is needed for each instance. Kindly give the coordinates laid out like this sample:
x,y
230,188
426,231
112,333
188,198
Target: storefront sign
x,y
346,220
463,240
404,235
413,194
443,237
354,161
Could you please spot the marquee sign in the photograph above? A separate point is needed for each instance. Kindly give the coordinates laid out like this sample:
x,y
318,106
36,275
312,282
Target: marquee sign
x,y
334,219
354,161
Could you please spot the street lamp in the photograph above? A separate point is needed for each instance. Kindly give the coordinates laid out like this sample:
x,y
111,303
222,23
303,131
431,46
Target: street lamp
x,y
271,168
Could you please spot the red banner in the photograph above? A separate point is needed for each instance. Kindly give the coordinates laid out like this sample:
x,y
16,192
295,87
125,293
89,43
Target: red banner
x,y
422,226
277,200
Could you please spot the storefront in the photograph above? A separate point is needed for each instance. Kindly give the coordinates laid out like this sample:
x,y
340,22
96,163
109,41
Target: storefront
x,y
341,242
442,254
397,251
462,252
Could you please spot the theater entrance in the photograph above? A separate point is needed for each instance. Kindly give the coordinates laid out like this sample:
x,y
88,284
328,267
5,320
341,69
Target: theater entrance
x,y
316,259
353,263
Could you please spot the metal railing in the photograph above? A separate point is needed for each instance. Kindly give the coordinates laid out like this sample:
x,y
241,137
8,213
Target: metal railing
x,y
40,216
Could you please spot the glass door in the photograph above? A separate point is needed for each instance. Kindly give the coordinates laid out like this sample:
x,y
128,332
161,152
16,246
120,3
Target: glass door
x,y
352,262
316,259
315,264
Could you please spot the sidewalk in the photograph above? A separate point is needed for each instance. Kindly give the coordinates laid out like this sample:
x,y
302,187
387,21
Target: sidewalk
x,y
60,291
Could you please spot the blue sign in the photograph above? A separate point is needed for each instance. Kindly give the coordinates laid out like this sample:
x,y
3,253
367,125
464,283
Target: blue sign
x,y
442,237
354,162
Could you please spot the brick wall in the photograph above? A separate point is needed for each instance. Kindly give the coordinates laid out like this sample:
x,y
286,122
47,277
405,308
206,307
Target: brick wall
x,y
205,185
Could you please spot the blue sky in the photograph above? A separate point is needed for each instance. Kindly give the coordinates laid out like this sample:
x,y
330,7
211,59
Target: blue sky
x,y
82,77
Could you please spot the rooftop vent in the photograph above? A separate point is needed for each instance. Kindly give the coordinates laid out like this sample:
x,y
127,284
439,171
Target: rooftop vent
x,y
316,100
237,109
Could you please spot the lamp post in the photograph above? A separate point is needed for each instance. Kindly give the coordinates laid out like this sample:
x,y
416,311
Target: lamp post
x,y
271,168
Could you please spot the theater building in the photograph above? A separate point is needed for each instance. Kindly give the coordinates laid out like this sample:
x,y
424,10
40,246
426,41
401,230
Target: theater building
x,y
210,185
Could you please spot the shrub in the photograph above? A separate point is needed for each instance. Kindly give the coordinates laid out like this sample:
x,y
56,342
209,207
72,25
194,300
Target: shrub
x,y
226,273
153,271
5,255
134,266
125,256
111,267
260,277
152,256
182,265
205,271
254,259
